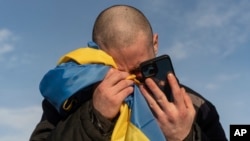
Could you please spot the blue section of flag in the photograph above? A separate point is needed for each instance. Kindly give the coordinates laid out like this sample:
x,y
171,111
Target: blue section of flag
x,y
65,80
142,117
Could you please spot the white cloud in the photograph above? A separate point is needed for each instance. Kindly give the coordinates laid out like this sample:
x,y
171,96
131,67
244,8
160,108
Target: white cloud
x,y
210,15
211,86
6,42
212,28
5,48
9,54
228,77
222,79
5,34
21,121
225,27
178,51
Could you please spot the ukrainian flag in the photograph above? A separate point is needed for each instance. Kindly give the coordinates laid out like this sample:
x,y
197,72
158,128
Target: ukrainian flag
x,y
79,70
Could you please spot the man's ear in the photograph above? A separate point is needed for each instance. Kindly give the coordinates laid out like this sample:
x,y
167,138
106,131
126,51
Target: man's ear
x,y
155,43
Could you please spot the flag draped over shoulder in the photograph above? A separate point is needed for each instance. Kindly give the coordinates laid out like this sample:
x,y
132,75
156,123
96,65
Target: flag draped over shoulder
x,y
83,67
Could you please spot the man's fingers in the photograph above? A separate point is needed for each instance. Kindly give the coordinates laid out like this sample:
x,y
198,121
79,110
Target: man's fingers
x,y
158,95
188,100
150,100
176,90
181,99
124,88
114,76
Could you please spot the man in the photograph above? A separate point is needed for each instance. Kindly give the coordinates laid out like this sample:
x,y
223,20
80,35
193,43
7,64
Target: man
x,y
124,33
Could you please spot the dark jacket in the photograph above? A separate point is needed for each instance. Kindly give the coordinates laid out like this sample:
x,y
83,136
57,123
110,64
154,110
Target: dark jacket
x,y
87,124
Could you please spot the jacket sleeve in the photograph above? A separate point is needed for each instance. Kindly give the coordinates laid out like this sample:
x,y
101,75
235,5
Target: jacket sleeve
x,y
80,126
207,124
49,120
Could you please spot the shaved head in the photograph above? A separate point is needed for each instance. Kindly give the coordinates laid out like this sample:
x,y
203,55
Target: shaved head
x,y
120,26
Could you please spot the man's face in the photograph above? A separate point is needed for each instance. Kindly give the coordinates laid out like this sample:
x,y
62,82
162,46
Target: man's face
x,y
129,58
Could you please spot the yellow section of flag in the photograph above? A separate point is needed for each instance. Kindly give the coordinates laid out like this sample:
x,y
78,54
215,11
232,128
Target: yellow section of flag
x,y
88,55
124,130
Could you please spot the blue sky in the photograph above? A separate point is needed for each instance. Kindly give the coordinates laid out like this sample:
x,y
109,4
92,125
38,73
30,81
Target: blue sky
x,y
208,41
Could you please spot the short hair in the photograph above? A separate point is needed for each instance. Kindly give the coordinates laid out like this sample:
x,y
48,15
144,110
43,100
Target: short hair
x,y
119,25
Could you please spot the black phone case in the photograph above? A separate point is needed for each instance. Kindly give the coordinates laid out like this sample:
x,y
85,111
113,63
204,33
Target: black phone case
x,y
157,69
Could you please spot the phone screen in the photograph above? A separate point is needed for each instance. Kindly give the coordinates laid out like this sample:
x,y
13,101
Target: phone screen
x,y
157,69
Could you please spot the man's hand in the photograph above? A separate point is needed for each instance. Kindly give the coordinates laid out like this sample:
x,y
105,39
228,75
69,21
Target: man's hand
x,y
111,92
176,118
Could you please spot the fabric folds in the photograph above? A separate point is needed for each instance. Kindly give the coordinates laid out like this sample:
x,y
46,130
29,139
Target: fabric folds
x,y
84,67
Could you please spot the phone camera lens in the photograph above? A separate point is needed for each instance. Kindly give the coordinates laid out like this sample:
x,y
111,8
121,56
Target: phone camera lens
x,y
149,71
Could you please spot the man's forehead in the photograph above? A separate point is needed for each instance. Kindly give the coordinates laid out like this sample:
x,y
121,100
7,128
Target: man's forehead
x,y
131,61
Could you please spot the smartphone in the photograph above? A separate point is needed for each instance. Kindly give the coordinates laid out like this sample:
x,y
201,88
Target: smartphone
x,y
157,69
